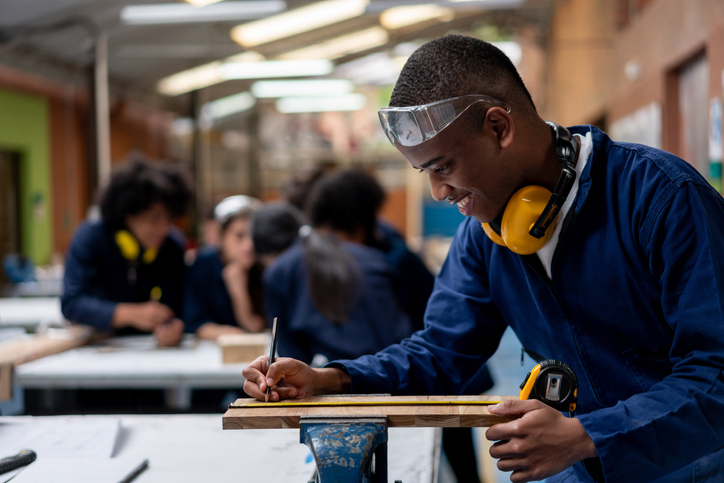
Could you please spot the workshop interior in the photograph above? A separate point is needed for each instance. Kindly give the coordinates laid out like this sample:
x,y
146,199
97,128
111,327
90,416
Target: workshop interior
x,y
193,188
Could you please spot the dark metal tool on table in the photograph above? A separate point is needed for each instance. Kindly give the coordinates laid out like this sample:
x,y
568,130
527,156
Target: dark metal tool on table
x,y
24,458
554,383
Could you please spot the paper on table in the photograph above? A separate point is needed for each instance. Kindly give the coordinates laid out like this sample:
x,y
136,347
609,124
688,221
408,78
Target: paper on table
x,y
60,439
78,470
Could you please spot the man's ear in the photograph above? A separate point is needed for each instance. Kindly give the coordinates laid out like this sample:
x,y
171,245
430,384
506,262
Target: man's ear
x,y
499,120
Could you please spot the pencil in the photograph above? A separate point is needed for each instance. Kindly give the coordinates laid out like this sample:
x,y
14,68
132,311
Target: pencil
x,y
272,351
136,471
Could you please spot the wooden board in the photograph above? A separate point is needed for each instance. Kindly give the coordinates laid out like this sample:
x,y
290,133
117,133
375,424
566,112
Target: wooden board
x,y
398,414
237,348
28,349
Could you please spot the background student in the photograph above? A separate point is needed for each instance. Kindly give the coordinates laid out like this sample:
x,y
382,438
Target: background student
x,y
223,287
274,228
124,272
334,295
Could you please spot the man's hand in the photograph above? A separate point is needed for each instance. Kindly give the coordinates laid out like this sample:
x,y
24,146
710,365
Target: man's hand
x,y
170,333
290,378
540,443
144,316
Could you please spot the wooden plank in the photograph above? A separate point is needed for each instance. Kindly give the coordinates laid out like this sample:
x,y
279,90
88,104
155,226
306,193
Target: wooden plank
x,y
237,348
395,408
28,349
6,382
20,351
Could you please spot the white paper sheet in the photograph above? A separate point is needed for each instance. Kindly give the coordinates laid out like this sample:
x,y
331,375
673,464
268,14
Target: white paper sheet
x,y
77,470
59,439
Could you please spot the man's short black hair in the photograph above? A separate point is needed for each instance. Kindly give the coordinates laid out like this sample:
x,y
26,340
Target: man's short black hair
x,y
138,184
457,65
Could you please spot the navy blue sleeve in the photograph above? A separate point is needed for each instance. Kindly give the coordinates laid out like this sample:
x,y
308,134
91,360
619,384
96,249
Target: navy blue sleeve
x,y
81,279
680,418
174,272
416,281
462,330
196,312
279,301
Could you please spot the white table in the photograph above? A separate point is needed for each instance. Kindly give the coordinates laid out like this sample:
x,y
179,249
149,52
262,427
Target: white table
x,y
30,313
194,448
135,362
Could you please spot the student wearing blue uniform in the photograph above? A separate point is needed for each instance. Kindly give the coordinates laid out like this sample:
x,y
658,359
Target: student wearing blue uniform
x,y
275,228
223,287
416,280
334,295
623,286
124,273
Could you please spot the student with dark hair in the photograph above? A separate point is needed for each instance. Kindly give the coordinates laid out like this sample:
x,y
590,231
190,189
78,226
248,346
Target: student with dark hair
x,y
223,287
297,188
274,228
334,295
124,273
604,255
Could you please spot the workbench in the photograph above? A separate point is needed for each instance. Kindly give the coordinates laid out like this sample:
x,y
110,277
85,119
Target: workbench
x,y
30,313
135,362
193,448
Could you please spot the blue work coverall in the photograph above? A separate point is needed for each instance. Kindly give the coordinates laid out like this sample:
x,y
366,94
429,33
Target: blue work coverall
x,y
97,277
376,321
206,297
634,306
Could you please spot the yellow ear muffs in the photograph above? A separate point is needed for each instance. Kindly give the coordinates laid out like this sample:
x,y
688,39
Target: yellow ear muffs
x,y
521,213
130,248
128,244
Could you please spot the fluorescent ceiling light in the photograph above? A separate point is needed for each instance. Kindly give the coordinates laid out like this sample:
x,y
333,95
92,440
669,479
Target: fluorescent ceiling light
x,y
276,68
172,13
192,79
201,3
297,21
202,76
227,106
295,88
350,102
398,17
378,68
341,46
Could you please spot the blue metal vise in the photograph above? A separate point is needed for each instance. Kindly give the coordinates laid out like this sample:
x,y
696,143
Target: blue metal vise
x,y
343,448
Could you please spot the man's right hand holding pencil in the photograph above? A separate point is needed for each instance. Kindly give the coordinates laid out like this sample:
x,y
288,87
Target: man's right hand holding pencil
x,y
290,378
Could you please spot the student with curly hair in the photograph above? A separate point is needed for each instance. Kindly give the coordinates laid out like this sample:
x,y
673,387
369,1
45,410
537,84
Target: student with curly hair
x,y
124,272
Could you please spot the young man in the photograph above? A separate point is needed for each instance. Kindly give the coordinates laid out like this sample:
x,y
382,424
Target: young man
x,y
124,273
623,285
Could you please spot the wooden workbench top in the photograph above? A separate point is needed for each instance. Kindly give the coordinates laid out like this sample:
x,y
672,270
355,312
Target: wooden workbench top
x,y
451,412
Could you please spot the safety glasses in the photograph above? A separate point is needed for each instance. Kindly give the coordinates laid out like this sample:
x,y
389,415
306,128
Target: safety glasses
x,y
410,126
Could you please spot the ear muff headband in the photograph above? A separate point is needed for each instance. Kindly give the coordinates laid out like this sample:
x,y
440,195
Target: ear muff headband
x,y
130,248
533,209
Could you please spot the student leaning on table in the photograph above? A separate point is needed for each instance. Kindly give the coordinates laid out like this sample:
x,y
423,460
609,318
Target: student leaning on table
x,y
625,287
124,272
223,286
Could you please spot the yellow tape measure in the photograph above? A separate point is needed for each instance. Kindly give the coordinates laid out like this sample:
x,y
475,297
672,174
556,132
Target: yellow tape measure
x,y
362,403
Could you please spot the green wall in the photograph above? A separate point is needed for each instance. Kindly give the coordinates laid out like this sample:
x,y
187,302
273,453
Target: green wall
x,y
24,129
